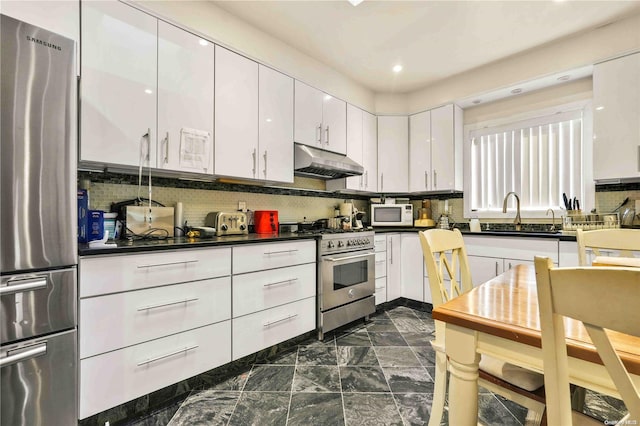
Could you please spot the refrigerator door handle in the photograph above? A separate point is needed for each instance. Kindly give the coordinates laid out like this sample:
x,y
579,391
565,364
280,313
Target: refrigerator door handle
x,y
37,350
35,283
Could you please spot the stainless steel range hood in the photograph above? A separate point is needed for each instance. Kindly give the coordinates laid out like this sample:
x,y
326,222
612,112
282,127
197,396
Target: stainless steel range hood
x,y
317,163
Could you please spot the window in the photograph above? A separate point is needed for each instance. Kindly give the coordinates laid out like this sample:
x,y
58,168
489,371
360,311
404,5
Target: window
x,y
539,159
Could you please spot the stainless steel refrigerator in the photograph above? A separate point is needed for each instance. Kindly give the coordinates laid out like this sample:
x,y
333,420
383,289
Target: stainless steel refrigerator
x,y
38,227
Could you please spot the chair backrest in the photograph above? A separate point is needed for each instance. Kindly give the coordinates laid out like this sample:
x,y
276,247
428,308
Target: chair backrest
x,y
602,298
446,259
624,240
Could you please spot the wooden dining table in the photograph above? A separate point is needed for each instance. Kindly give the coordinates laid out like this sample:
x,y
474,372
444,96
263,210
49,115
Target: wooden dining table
x,y
501,318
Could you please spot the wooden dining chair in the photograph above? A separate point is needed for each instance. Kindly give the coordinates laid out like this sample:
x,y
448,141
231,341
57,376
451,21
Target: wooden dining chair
x,y
445,257
602,298
625,241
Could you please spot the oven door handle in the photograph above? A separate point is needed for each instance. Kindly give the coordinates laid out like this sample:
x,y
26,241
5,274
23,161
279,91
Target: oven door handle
x,y
36,351
358,256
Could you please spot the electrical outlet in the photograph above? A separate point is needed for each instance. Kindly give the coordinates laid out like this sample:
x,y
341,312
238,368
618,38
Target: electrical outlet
x,y
242,206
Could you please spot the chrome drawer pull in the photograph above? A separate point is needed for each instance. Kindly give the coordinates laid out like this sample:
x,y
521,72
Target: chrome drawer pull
x,y
290,280
380,288
269,323
158,358
38,350
35,283
162,305
167,264
280,252
380,261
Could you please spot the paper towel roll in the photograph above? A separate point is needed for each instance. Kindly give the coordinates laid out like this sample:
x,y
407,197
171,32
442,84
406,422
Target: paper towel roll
x,y
178,220
346,209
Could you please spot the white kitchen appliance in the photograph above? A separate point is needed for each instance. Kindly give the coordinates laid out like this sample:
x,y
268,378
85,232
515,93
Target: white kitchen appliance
x,y
392,215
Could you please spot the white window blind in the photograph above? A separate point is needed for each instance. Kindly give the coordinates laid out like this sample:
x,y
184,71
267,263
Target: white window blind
x,y
538,159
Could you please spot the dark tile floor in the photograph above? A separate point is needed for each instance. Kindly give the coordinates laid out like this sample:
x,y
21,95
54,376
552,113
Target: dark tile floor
x,y
378,373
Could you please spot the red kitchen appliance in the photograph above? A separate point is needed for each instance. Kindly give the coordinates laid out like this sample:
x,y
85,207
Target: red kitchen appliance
x,y
265,221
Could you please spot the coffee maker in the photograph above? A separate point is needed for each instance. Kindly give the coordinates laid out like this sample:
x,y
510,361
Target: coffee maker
x,y
424,216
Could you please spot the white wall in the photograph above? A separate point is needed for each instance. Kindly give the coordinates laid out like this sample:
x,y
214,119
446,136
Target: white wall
x,y
572,52
220,26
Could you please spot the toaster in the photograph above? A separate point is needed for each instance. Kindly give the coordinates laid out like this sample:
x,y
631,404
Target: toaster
x,y
265,221
227,223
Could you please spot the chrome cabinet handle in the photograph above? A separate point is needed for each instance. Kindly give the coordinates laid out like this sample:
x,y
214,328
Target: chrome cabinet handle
x,y
37,350
638,159
162,305
381,181
290,280
391,251
435,179
158,358
166,149
366,179
270,323
265,164
496,269
253,154
319,133
167,264
426,179
280,252
35,283
379,288
327,139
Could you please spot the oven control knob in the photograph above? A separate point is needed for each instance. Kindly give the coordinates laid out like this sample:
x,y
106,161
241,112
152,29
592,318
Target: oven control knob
x,y
242,227
340,244
330,244
224,227
351,294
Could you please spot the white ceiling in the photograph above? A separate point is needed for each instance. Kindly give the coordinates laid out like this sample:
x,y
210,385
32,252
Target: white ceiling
x,y
433,40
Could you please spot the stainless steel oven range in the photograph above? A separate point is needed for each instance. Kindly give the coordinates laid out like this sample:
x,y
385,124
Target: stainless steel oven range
x,y
346,279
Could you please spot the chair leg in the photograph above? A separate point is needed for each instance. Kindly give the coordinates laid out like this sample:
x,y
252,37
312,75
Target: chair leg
x,y
439,390
578,395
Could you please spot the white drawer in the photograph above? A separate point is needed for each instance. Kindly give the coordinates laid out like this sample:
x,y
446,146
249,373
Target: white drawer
x,y
113,378
257,291
257,257
381,264
380,242
113,274
124,319
512,248
260,330
381,290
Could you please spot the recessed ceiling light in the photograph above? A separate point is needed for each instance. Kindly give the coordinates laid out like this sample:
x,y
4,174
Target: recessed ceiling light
x,y
477,101
516,91
327,97
564,78
600,108
148,91
268,120
397,68
203,42
355,2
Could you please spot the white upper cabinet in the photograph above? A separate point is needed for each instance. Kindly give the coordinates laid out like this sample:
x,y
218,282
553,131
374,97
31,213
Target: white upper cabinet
x,y
185,101
320,119
236,115
370,151
435,153
616,118
118,85
60,16
393,153
420,151
354,144
275,125
253,120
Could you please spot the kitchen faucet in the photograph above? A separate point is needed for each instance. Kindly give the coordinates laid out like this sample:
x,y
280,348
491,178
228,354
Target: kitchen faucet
x,y
518,220
553,220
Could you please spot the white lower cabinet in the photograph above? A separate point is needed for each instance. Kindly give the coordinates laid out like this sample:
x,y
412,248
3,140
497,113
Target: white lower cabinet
x,y
412,268
119,376
394,269
381,268
257,257
490,256
260,330
133,317
265,289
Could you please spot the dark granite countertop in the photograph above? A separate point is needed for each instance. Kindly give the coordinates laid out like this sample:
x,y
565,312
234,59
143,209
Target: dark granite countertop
x,y
124,246
492,233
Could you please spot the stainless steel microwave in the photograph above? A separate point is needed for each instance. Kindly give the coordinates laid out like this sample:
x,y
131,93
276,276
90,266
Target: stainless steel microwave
x,y
391,215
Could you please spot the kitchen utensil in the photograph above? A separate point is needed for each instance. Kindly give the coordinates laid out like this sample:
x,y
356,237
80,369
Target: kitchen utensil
x,y
576,203
567,204
620,206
